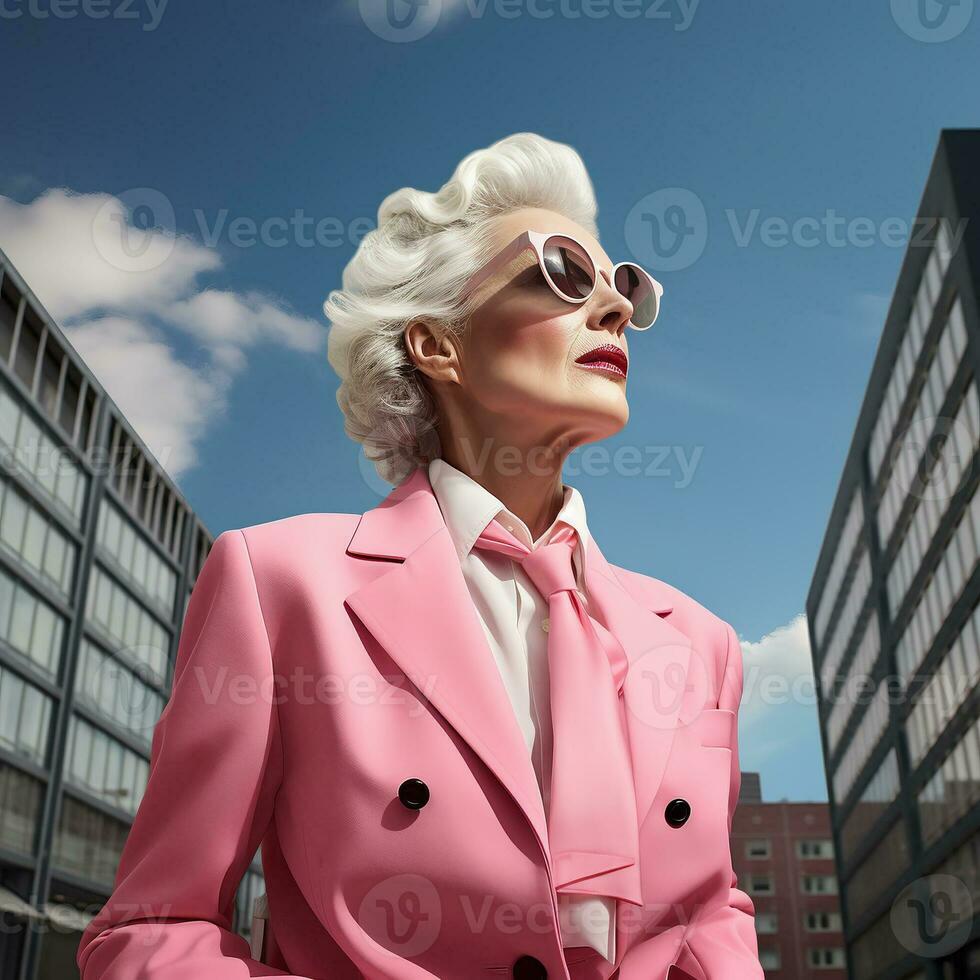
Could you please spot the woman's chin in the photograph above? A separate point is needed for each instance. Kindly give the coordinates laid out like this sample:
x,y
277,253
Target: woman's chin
x,y
609,402
606,416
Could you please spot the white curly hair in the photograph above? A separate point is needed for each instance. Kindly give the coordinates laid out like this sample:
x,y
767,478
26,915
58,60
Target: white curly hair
x,y
413,266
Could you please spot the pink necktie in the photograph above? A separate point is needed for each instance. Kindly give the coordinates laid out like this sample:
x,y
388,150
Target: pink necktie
x,y
592,825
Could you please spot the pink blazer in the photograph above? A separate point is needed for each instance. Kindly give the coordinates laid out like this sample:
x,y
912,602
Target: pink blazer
x,y
334,700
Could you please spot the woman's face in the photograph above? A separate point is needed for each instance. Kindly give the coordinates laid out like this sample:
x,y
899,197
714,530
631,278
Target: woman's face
x,y
519,357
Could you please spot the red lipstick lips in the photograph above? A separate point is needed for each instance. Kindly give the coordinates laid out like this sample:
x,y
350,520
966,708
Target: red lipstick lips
x,y
606,357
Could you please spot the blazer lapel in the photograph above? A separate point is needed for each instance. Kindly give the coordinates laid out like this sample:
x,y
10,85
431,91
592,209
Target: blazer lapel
x,y
420,610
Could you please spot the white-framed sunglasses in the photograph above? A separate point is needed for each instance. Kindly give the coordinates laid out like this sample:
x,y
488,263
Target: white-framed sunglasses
x,y
571,272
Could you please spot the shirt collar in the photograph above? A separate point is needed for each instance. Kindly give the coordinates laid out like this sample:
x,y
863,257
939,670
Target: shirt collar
x,y
467,507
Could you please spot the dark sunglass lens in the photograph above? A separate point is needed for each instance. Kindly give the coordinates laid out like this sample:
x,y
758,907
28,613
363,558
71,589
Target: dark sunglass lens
x,y
638,290
570,270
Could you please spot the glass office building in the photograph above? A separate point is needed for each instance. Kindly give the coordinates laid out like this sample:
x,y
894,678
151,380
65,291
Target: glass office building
x,y
893,610
98,553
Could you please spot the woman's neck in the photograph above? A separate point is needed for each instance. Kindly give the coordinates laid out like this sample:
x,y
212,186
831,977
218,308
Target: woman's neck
x,y
529,486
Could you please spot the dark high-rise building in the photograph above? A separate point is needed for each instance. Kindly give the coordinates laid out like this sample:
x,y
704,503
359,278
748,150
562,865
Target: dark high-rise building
x,y
783,856
893,615
98,553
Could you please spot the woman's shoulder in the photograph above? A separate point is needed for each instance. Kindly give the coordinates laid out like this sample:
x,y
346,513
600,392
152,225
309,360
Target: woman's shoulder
x,y
679,608
317,521
293,537
657,591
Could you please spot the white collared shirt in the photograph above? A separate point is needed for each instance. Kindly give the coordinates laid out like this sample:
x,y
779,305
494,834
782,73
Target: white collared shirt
x,y
514,618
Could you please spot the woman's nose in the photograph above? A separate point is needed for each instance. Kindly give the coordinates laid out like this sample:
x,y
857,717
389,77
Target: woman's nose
x,y
609,309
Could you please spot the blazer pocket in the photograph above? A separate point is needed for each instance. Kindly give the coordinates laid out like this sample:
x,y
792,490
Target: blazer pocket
x,y
715,728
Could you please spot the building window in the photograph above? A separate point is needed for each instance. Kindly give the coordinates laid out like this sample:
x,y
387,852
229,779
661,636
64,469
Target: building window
x,y
28,345
863,740
69,400
822,922
30,626
25,717
954,789
818,884
28,534
139,485
87,842
51,363
766,923
826,958
861,666
769,958
104,767
133,556
116,692
849,536
20,811
126,624
850,618
954,680
49,467
86,429
874,801
9,304
814,849
947,469
759,884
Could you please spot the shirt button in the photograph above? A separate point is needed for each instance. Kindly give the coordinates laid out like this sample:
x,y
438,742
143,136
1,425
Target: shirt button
x,y
546,624
510,527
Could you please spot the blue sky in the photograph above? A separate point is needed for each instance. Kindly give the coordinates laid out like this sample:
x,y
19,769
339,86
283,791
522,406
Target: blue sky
x,y
792,141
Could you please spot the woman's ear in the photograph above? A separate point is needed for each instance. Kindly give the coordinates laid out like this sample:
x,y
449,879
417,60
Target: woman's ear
x,y
432,350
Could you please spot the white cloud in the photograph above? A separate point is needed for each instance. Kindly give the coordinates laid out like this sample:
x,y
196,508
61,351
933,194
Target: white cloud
x,y
119,289
230,319
778,675
81,252
779,728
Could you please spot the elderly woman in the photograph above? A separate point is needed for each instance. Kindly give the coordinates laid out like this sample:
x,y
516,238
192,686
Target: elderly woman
x,y
468,744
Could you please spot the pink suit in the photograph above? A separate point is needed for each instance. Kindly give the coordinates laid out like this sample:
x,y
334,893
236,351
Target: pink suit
x,y
335,701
